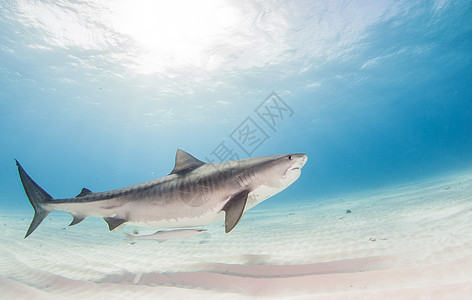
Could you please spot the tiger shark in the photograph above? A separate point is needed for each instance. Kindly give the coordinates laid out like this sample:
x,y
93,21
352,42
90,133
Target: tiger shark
x,y
194,194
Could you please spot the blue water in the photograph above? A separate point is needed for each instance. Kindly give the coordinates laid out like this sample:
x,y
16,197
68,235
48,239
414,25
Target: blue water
x,y
101,95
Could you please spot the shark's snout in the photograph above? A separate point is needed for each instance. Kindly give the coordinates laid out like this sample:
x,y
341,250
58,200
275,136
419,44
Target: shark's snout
x,y
293,170
299,160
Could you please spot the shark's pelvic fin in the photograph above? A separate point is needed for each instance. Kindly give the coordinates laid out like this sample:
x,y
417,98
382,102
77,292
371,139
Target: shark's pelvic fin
x,y
37,197
114,222
234,209
84,193
185,161
76,220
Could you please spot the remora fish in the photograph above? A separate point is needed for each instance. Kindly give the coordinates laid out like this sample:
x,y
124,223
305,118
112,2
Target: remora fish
x,y
165,235
194,194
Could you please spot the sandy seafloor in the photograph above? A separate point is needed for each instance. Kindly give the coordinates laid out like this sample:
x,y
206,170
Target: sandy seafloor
x,y
405,242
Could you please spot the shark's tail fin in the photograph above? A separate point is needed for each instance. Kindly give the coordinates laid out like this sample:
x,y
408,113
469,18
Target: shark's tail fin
x,y
37,196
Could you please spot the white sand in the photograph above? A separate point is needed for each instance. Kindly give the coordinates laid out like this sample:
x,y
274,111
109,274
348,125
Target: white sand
x,y
407,242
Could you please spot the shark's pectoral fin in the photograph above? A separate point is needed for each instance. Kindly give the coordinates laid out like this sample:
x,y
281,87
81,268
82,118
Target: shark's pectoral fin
x,y
114,222
77,219
234,209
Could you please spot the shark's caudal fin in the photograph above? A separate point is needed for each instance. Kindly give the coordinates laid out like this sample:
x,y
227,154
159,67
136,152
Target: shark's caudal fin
x,y
37,196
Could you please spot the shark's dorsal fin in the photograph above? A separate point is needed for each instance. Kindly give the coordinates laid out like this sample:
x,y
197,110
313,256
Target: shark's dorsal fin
x,y
185,161
84,193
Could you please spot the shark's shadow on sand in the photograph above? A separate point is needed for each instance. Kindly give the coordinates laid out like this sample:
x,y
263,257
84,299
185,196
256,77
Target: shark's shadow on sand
x,y
253,279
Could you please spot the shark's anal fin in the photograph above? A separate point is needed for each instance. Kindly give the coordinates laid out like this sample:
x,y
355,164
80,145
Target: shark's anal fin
x,y
77,219
114,222
234,209
84,193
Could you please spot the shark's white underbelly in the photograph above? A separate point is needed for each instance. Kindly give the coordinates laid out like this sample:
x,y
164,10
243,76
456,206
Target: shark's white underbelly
x,y
255,197
183,222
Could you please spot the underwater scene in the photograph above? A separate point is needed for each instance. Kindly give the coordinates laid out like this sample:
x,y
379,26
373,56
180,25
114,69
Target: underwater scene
x,y
235,149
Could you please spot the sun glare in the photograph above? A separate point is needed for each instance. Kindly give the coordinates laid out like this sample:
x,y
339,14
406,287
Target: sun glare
x,y
175,33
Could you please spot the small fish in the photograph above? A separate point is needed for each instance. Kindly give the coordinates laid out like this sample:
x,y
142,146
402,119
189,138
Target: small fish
x,y
164,235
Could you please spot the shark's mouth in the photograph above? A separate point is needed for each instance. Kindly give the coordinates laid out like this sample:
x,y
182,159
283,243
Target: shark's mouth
x,y
291,175
296,166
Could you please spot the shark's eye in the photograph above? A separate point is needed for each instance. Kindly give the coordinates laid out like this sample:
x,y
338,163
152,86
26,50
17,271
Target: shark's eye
x,y
290,157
